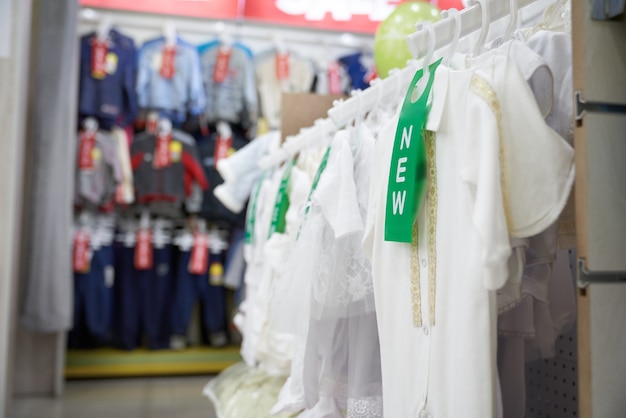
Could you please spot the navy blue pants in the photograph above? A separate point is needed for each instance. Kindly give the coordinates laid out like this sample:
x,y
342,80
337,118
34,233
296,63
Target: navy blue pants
x,y
144,300
193,287
93,302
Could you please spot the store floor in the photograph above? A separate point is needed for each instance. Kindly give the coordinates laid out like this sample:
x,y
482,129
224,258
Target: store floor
x,y
171,397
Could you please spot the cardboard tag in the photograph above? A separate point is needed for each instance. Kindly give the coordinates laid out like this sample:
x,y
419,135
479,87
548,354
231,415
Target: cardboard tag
x,y
143,250
222,149
82,252
220,72
282,66
334,78
86,150
162,156
168,65
216,274
199,260
99,51
408,168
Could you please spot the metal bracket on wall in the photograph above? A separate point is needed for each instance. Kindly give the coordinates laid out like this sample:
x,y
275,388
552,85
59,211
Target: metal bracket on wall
x,y
607,9
585,277
583,106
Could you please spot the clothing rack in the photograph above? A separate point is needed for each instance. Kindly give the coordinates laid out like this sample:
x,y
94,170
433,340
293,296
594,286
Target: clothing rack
x,y
233,30
345,111
471,21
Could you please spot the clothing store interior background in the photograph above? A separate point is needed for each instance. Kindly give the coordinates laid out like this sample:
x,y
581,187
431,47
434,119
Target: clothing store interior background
x,y
318,209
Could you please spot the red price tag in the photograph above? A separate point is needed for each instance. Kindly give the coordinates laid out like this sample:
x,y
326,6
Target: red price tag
x,y
282,66
82,252
99,50
168,67
162,156
143,250
222,146
199,261
334,79
151,125
85,151
370,75
221,64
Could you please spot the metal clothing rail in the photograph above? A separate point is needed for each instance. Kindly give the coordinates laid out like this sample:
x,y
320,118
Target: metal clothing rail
x,y
345,111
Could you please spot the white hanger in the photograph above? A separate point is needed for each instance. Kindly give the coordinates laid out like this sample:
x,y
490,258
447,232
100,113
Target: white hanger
x,y
485,21
165,126
279,44
456,16
224,130
224,35
512,21
144,221
104,27
90,125
420,87
169,32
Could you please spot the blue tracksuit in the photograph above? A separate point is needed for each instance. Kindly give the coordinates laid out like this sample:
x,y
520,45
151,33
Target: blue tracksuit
x,y
112,100
93,302
191,287
175,97
144,299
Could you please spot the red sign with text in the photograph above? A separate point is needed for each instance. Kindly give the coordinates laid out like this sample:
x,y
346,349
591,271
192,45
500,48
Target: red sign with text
x,y
212,9
341,15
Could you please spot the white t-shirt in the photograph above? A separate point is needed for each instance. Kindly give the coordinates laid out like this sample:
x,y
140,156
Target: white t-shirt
x,y
489,179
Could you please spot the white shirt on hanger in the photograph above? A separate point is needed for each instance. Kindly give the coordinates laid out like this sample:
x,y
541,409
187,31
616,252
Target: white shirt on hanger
x,y
495,171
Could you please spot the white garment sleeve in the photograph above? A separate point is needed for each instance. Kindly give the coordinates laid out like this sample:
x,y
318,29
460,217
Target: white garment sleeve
x,y
481,170
538,165
380,173
336,190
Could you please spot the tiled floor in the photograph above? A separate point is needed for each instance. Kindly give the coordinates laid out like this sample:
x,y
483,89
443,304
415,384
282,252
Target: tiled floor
x,y
176,397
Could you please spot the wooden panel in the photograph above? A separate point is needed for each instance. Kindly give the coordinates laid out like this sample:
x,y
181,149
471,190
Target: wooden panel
x,y
599,58
606,193
608,346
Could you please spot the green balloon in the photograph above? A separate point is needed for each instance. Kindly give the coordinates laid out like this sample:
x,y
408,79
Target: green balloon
x,y
390,48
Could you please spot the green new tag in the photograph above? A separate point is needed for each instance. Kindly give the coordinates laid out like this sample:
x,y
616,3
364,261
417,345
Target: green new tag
x,y
316,181
282,202
407,172
251,215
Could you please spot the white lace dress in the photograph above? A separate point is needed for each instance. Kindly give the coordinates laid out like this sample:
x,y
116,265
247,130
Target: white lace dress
x,y
336,366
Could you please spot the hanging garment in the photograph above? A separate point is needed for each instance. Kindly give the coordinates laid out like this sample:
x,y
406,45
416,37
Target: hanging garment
x,y
299,79
191,287
97,186
175,97
437,319
164,190
112,99
233,99
212,208
338,357
241,171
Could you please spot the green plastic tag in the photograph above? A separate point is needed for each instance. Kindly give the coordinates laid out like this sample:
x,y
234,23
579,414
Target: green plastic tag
x,y
408,169
281,206
316,180
251,215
